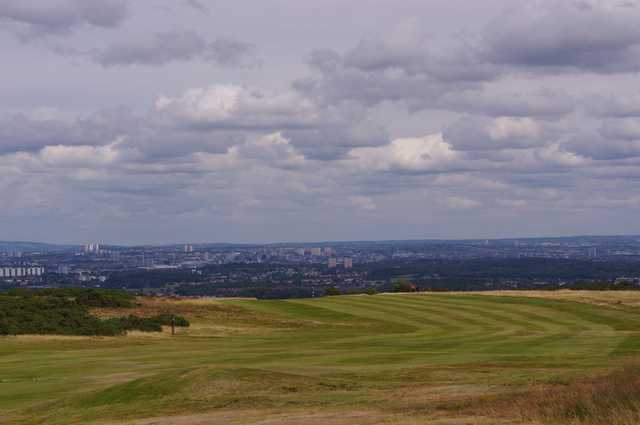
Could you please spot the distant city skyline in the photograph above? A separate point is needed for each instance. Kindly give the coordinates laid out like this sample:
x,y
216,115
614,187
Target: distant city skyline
x,y
163,121
327,251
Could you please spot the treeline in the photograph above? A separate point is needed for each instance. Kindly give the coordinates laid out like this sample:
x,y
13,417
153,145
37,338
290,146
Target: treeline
x,y
245,289
88,297
66,312
141,279
468,274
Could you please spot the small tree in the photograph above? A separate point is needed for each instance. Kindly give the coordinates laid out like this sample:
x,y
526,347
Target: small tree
x,y
403,285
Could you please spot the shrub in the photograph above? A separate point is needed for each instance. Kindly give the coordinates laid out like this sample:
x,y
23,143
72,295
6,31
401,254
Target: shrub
x,y
66,312
403,285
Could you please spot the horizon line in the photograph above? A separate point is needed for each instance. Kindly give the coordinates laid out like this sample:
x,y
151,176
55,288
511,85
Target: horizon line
x,y
325,241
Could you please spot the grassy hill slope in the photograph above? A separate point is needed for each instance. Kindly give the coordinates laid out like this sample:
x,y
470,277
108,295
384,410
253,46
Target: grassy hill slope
x,y
393,359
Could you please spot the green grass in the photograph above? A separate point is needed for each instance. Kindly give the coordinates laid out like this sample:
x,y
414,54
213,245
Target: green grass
x,y
337,353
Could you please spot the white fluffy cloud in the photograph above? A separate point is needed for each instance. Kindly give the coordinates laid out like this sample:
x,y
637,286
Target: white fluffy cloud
x,y
420,154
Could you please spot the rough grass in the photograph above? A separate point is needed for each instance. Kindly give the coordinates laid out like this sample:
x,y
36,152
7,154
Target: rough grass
x,y
402,359
612,399
614,299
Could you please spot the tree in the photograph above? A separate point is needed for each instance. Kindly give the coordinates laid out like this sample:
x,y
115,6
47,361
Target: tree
x,y
403,285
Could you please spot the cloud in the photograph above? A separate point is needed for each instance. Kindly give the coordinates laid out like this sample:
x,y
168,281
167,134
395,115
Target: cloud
x,y
236,107
590,35
623,106
272,149
177,46
543,103
198,6
408,65
420,154
319,131
621,129
408,48
363,203
472,133
605,144
33,130
513,203
456,203
513,119
31,18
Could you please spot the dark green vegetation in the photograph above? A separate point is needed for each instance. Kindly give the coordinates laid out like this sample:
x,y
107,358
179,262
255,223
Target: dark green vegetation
x,y
82,296
66,312
392,359
484,273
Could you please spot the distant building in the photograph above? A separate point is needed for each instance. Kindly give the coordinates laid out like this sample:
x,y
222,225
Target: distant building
x,y
21,272
333,263
188,249
348,263
316,251
328,251
92,248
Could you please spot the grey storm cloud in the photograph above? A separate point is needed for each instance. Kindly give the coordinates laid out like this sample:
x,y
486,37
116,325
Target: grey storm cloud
x,y
337,82
166,47
407,63
622,129
472,133
35,17
624,106
198,5
415,53
598,146
597,36
332,142
538,103
38,129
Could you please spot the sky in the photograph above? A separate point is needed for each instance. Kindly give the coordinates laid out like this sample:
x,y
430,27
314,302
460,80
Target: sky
x,y
171,121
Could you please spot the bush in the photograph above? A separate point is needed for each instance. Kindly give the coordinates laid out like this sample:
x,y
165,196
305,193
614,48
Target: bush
x,y
403,285
88,297
50,316
104,298
66,312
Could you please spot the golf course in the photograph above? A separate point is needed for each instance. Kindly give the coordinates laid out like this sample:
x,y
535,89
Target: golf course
x,y
406,359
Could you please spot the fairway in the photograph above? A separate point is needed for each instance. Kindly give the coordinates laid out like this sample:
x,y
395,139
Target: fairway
x,y
392,359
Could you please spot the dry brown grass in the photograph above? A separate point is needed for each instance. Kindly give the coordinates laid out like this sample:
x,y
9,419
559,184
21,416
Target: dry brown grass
x,y
616,299
311,417
152,306
39,338
613,399
208,316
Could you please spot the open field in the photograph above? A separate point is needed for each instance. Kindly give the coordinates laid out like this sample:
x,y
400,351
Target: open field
x,y
448,359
